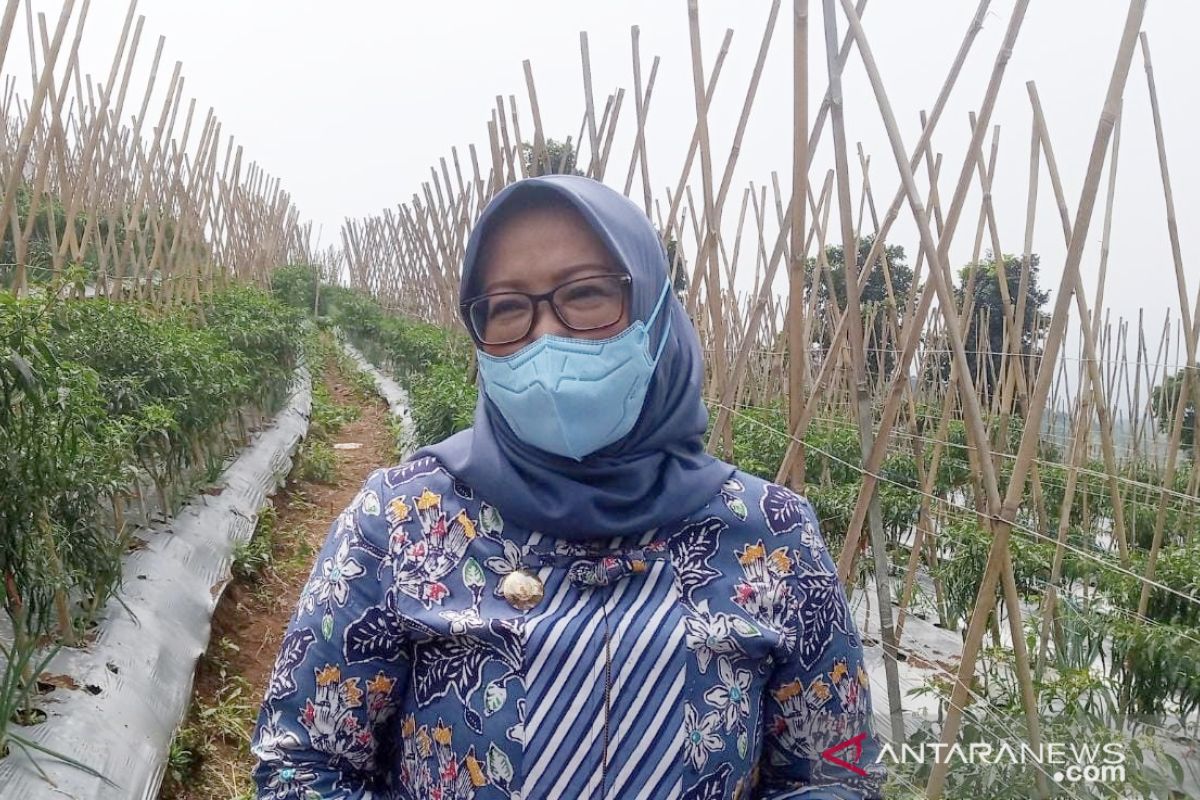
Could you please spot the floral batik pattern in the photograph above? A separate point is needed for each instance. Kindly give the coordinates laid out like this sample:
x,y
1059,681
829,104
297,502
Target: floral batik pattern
x,y
331,722
430,767
329,588
766,615
405,673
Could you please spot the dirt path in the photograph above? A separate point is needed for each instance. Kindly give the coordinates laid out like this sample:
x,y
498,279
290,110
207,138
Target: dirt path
x,y
210,758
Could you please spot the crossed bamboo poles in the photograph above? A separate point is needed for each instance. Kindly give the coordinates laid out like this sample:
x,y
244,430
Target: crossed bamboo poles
x,y
167,212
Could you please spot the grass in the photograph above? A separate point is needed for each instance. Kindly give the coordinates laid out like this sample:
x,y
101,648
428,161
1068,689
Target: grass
x,y
317,462
362,383
227,718
327,416
399,437
252,556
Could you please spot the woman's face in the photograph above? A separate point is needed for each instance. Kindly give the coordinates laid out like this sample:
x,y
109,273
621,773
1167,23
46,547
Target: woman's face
x,y
537,250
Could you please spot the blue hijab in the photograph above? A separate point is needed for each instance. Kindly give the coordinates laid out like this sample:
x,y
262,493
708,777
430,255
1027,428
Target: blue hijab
x,y
659,472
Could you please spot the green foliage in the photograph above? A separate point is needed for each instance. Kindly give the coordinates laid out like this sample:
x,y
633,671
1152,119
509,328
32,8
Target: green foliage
x,y
557,159
48,225
88,389
169,381
961,574
1166,399
327,416
442,400
834,504
837,452
60,452
1177,567
399,435
1158,665
954,469
875,300
306,289
875,291
988,301
1141,517
833,453
252,556
182,760
296,285
1157,660
316,462
160,374
261,329
432,363
759,439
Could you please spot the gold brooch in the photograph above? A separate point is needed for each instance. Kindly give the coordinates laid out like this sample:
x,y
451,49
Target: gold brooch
x,y
522,589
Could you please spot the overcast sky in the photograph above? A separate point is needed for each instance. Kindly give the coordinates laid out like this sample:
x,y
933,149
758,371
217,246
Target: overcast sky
x,y
350,103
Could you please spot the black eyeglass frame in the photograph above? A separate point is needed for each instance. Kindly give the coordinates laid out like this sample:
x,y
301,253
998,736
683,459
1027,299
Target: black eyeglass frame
x,y
625,279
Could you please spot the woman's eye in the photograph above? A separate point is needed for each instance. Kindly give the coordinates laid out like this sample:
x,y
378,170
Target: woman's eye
x,y
584,293
506,308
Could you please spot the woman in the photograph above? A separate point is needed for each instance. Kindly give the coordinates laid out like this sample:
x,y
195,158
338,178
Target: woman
x,y
571,599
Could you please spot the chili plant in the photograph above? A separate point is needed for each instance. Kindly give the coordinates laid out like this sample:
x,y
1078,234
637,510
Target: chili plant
x,y
88,389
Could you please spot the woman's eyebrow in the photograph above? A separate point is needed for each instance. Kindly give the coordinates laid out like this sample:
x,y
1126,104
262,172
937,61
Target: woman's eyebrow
x,y
594,267
561,275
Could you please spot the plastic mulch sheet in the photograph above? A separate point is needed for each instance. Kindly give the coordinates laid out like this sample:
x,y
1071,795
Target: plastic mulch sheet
x,y
120,699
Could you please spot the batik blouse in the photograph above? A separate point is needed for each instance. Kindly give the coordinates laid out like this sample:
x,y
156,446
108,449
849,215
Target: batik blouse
x,y
711,658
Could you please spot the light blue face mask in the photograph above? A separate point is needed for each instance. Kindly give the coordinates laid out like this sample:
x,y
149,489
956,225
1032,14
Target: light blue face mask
x,y
570,396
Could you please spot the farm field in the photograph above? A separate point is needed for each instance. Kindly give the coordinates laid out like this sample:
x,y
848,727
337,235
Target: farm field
x,y
1003,460
210,755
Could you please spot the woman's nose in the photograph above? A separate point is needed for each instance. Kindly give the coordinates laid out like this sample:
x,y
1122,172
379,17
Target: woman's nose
x,y
545,321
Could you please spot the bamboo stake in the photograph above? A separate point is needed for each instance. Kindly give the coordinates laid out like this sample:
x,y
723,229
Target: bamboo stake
x,y
590,112
642,103
677,195
1190,384
539,142
858,368
606,149
6,27
704,260
797,343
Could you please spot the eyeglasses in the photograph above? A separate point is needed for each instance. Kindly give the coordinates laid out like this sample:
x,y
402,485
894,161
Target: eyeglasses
x,y
582,304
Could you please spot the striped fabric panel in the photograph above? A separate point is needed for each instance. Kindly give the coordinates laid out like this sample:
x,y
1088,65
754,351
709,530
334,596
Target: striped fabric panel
x,y
564,690
564,680
649,673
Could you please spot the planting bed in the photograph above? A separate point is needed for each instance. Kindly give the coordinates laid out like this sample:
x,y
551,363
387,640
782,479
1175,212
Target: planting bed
x,y
115,704
125,487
